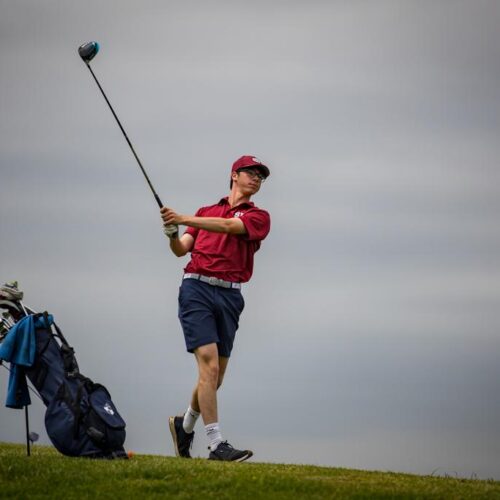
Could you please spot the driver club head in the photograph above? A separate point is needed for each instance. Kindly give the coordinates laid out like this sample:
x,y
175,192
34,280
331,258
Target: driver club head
x,y
88,51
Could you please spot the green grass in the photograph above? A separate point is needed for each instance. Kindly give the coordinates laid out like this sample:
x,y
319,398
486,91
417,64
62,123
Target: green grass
x,y
48,474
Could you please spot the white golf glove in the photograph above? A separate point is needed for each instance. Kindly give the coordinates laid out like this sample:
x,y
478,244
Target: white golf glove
x,y
171,230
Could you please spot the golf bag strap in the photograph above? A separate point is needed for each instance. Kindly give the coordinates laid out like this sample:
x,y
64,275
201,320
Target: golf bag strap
x,y
69,361
41,373
58,330
67,352
77,409
85,383
64,394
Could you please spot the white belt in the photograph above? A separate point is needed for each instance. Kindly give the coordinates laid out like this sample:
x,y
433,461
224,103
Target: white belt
x,y
212,281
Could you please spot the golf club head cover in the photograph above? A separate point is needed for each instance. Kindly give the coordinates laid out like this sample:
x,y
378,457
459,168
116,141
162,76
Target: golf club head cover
x,y
10,291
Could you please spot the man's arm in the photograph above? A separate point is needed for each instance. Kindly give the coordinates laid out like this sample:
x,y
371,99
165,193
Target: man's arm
x,y
215,224
181,246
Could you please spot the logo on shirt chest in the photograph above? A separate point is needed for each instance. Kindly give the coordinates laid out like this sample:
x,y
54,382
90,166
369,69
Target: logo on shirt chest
x,y
239,214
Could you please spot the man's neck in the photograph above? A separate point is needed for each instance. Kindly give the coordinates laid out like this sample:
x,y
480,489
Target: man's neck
x,y
236,198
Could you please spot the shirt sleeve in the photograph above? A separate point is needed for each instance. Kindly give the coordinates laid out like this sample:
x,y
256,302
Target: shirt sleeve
x,y
257,223
193,231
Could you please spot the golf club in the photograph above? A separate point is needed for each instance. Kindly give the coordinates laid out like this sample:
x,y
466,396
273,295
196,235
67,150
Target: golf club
x,y
87,52
6,323
4,329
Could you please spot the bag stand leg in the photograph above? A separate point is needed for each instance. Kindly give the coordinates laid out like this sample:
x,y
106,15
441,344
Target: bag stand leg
x,y
27,432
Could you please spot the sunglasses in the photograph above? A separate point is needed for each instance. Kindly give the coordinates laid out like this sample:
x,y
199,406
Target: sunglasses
x,y
253,173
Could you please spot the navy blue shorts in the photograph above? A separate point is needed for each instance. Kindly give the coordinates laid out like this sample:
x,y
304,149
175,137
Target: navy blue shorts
x,y
209,314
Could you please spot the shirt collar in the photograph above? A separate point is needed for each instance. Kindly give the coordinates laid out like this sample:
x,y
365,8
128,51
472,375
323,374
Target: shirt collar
x,y
225,201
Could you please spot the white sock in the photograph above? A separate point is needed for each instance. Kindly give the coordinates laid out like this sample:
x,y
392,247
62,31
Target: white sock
x,y
190,418
214,435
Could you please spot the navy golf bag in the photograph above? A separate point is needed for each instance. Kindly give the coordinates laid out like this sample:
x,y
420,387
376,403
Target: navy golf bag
x,y
81,419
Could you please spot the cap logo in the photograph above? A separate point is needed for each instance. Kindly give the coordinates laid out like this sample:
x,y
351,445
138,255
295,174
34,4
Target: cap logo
x,y
256,160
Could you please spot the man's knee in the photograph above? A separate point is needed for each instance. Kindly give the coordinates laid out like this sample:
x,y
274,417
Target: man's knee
x,y
208,364
210,373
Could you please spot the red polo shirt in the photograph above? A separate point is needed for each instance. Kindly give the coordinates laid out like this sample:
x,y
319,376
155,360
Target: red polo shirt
x,y
223,255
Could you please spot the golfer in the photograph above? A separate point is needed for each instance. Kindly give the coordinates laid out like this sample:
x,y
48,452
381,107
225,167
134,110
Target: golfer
x,y
222,239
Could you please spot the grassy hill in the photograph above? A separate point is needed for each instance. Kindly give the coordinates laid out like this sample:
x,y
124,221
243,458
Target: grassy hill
x,y
48,474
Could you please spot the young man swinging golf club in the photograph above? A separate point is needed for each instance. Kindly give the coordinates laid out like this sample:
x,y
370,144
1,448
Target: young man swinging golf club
x,y
222,239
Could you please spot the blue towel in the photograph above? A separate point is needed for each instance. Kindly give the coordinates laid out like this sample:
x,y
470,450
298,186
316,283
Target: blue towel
x,y
19,349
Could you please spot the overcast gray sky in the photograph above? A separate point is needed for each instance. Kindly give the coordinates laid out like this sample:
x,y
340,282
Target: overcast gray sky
x,y
371,334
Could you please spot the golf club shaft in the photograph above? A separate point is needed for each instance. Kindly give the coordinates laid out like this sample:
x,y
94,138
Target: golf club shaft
x,y
157,198
7,322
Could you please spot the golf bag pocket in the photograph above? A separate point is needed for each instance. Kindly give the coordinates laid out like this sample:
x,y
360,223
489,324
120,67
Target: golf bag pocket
x,y
83,421
103,423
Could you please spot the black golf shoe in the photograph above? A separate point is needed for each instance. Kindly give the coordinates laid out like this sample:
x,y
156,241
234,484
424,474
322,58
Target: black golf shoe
x,y
182,440
227,453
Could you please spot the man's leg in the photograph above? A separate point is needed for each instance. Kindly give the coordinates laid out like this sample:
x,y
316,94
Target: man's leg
x,y
223,361
207,357
193,411
211,367
228,303
210,378
199,327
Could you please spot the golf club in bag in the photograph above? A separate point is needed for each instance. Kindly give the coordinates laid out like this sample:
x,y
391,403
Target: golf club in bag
x,y
81,419
10,310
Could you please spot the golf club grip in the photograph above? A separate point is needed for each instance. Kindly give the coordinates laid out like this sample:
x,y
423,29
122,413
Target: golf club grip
x,y
157,198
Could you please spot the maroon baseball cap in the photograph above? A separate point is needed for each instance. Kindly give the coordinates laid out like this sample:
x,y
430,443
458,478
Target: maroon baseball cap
x,y
250,161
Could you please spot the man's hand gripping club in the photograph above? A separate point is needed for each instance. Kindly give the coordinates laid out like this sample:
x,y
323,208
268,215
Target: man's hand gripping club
x,y
170,222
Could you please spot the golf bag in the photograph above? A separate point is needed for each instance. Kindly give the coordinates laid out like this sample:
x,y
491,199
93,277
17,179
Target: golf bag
x,y
81,419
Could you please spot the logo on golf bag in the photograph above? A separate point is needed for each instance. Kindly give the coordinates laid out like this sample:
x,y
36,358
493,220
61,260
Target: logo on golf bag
x,y
108,409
